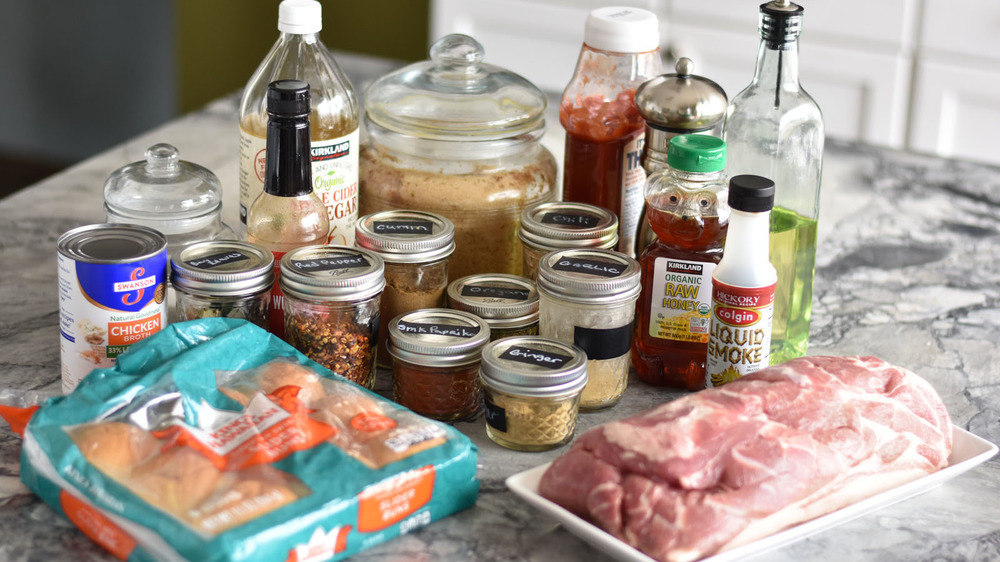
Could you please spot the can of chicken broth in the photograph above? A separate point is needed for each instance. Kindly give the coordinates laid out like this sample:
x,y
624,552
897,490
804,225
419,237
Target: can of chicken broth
x,y
112,294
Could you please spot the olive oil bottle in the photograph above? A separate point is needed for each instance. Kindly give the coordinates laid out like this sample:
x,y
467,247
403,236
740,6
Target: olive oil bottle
x,y
774,129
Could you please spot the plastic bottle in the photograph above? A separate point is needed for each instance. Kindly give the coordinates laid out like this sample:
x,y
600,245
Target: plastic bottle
x,y
299,54
288,213
774,129
604,131
687,210
743,286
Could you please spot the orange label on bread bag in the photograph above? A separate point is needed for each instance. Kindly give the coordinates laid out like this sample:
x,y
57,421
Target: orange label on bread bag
x,y
95,525
391,501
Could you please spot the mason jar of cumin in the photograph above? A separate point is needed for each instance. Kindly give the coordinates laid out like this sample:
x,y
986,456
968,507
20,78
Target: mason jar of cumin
x,y
415,246
435,368
531,389
331,305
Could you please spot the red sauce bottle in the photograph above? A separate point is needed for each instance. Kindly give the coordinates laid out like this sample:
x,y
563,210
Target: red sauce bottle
x,y
604,131
687,209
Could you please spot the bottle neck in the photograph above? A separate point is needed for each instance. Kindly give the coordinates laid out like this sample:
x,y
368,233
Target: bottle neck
x,y
288,162
777,67
747,240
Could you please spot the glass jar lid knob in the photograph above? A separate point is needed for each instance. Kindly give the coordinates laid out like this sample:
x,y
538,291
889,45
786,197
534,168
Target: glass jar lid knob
x,y
161,160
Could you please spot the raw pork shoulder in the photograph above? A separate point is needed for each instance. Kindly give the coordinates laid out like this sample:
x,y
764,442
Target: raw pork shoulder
x,y
729,465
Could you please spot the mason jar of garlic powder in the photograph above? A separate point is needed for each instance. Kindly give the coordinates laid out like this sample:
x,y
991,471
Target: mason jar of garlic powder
x,y
587,298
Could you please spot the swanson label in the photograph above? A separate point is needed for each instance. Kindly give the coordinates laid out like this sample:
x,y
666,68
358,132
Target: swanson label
x,y
603,344
349,261
501,293
433,328
585,266
571,220
217,260
739,340
681,300
536,357
415,226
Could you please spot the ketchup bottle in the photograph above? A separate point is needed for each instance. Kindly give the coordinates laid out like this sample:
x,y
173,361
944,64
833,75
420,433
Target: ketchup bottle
x,y
604,131
687,208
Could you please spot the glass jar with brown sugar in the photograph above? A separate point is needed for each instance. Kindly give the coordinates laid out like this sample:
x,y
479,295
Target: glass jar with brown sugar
x,y
531,388
331,299
415,246
435,369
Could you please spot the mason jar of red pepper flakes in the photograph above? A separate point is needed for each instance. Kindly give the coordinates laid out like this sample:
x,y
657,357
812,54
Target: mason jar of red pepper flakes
x,y
436,354
604,131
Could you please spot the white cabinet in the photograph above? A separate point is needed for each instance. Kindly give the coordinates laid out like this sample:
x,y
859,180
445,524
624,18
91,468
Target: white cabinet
x,y
956,102
909,74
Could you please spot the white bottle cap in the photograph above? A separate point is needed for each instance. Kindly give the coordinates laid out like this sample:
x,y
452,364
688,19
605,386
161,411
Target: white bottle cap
x,y
300,16
622,30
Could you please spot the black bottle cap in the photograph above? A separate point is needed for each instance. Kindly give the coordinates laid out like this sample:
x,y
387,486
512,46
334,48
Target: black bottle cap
x,y
288,98
751,194
780,23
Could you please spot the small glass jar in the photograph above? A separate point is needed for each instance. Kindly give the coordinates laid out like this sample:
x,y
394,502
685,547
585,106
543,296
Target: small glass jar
x,y
331,299
223,278
587,298
435,369
508,303
558,225
531,388
415,246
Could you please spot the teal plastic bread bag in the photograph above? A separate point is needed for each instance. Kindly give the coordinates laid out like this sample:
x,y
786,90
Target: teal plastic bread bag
x,y
214,440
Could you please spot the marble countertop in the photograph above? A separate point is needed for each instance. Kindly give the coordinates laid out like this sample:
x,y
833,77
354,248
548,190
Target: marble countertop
x,y
907,270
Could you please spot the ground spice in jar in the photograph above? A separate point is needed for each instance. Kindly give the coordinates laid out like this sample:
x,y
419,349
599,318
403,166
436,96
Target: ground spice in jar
x,y
532,388
508,303
223,278
436,355
558,225
416,247
331,306
587,297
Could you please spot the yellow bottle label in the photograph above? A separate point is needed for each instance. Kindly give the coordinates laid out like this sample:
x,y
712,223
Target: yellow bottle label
x,y
681,301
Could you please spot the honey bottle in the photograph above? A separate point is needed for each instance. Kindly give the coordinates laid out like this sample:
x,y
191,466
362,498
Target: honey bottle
x,y
687,209
333,125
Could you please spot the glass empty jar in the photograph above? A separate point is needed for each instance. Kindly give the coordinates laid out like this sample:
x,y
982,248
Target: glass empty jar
x,y
223,278
558,225
435,368
331,300
508,303
531,389
415,247
587,298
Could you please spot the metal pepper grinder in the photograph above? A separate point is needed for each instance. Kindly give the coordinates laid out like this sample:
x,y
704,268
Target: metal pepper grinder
x,y
675,104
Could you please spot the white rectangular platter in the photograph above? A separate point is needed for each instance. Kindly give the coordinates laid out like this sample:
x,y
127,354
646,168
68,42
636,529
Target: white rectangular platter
x,y
968,450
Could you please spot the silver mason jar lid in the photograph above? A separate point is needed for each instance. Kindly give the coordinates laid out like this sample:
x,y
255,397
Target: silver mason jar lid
x,y
554,225
503,300
589,276
332,273
437,337
403,236
222,268
534,366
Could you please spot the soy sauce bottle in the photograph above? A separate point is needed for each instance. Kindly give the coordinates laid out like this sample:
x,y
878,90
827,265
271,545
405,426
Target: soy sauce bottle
x,y
288,214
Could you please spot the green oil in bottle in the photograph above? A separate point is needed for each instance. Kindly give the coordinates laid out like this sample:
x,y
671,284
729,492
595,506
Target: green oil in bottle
x,y
793,255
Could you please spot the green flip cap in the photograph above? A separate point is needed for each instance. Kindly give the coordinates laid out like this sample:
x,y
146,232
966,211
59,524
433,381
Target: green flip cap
x,y
697,153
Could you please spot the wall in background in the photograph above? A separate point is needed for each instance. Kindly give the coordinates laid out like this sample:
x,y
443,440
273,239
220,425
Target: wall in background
x,y
79,77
